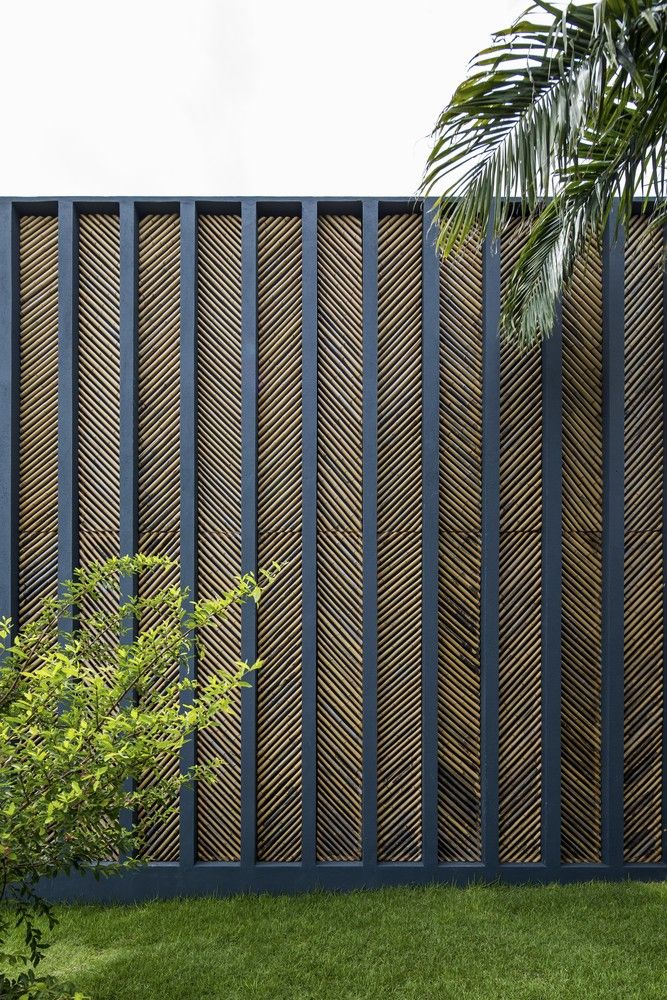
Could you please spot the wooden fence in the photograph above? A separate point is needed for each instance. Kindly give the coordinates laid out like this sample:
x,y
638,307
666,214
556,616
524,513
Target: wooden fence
x,y
465,666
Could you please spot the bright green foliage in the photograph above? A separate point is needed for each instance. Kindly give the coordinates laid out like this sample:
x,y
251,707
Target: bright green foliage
x,y
93,693
565,111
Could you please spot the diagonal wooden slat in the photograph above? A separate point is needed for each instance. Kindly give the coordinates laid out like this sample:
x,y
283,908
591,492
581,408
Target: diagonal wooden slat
x,y
399,538
339,545
159,486
279,537
99,394
582,564
219,515
643,565
38,412
460,558
520,645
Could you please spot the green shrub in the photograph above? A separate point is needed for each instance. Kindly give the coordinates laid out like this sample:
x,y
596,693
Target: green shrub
x,y
91,697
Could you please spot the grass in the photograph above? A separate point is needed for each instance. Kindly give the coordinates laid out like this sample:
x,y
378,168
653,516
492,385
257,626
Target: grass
x,y
480,943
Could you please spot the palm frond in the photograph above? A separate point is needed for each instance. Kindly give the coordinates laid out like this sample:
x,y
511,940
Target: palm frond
x,y
511,120
603,180
564,112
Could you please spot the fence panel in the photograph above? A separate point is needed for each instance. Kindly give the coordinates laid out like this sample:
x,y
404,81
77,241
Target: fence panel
x,y
464,669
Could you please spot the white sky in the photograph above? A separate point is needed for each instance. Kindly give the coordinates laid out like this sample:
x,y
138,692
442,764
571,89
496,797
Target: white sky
x,y
226,97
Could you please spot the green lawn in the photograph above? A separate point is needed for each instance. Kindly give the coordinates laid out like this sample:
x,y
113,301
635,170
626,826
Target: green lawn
x,y
585,941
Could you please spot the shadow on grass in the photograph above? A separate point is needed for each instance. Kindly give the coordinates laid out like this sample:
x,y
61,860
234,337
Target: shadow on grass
x,y
480,943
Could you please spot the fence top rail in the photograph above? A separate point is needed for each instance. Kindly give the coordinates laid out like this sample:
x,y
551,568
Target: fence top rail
x,y
233,204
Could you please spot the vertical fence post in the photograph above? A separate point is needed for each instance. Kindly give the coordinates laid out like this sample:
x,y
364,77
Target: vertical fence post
x,y
9,411
129,359
188,526
369,508
249,389
612,542
430,505
490,550
67,394
129,363
663,856
309,527
552,471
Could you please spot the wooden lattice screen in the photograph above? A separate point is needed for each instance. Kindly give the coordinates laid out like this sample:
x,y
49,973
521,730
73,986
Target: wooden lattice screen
x,y
465,672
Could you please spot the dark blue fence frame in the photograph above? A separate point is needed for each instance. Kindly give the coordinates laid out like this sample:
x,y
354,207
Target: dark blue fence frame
x,y
189,876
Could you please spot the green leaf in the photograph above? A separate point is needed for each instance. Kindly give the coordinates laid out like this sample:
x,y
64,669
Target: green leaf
x,y
569,104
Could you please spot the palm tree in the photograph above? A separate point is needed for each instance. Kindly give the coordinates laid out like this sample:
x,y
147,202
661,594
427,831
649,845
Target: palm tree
x,y
565,112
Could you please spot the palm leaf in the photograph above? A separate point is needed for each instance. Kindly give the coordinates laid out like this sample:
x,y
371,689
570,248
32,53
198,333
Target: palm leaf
x,y
564,112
